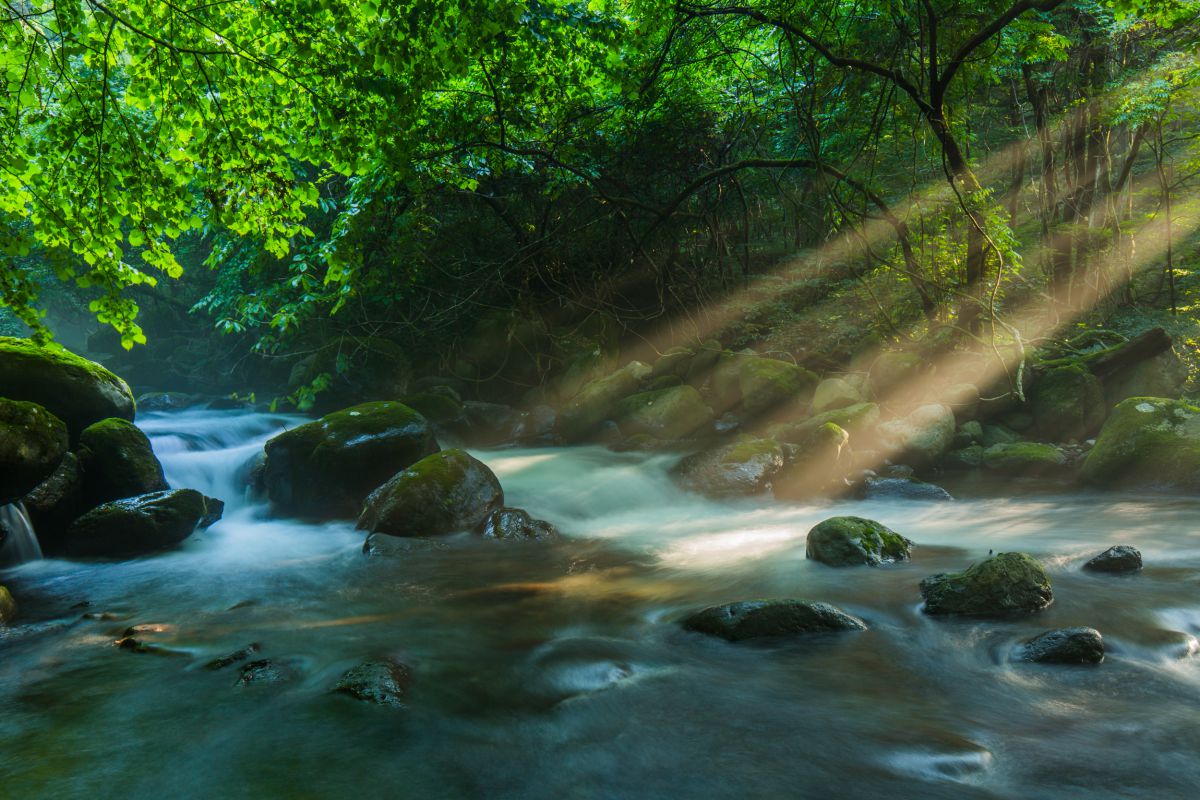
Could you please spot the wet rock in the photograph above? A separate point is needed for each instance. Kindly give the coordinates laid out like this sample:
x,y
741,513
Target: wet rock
x,y
536,426
140,525
1147,442
167,401
1067,403
835,393
852,541
264,672
671,413
904,489
381,545
1119,558
921,437
443,493
326,468
743,468
516,524
767,383
232,658
1005,583
77,391
968,457
597,401
117,462
816,466
1024,458
1064,646
488,424
858,420
384,682
757,619
8,606
33,443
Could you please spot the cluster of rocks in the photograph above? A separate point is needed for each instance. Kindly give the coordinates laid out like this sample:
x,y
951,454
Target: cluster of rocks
x,y
1003,585
84,473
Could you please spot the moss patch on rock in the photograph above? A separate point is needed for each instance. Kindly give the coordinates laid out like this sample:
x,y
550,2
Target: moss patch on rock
x,y
767,383
117,462
1147,442
443,493
8,606
853,541
33,443
745,467
1024,458
597,401
1006,583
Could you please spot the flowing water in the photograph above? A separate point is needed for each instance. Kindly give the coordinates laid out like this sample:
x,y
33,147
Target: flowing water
x,y
557,670
19,542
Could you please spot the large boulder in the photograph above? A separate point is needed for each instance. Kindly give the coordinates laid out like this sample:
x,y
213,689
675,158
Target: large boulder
x,y
139,525
597,401
852,541
1067,403
834,393
745,467
767,383
1064,646
921,437
759,619
326,468
894,375
1147,442
77,391
117,462
1005,583
443,493
670,413
33,443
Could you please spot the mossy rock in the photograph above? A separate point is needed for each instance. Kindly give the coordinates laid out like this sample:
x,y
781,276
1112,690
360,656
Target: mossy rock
x,y
33,443
817,465
675,362
597,402
516,524
1024,458
77,391
854,541
8,606
708,354
671,413
140,525
996,433
1067,404
444,493
858,420
326,468
969,457
968,433
746,467
765,619
117,461
921,437
1006,583
438,407
1147,442
894,372
834,393
767,383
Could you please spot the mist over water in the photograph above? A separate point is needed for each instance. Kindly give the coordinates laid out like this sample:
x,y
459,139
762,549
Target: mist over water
x,y
557,670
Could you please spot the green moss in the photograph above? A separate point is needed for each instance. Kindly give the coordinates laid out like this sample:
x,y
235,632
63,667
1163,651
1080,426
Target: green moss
x,y
33,443
964,458
749,449
8,606
1023,458
765,383
1003,584
858,420
118,462
669,413
443,493
1147,442
849,541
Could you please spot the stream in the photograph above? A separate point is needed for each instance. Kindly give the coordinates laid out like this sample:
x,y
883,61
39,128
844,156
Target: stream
x,y
556,670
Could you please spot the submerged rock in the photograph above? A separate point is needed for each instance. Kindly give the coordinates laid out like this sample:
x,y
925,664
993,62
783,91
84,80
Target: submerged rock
x,y
1147,442
1119,558
117,462
1064,646
139,525
516,524
743,468
384,682
1005,583
232,658
77,391
904,489
264,672
328,467
851,541
671,413
443,493
33,443
8,606
757,619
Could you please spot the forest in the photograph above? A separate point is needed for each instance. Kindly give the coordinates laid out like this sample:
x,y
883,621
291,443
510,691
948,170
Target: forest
x,y
599,399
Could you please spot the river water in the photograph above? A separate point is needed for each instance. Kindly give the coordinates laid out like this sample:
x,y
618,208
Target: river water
x,y
557,671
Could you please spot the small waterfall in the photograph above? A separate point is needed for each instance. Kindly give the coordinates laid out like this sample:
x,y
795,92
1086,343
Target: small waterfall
x,y
20,541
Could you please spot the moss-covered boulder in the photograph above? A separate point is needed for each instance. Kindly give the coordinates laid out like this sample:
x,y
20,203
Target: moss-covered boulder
x,y
919,438
1006,583
670,413
1147,442
597,401
446,492
33,443
762,619
853,541
326,468
858,420
8,606
77,391
1067,404
1064,646
817,465
439,407
835,393
745,467
768,383
140,525
516,524
894,374
117,461
1024,458
969,457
